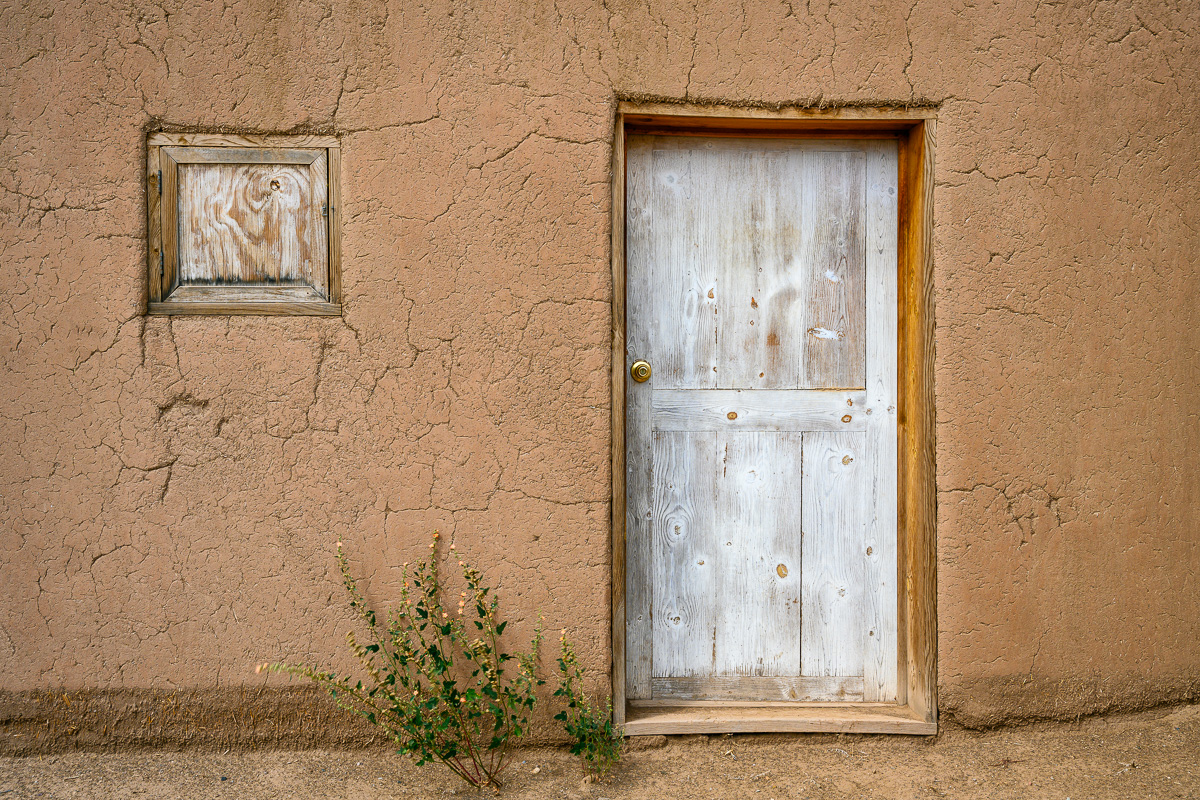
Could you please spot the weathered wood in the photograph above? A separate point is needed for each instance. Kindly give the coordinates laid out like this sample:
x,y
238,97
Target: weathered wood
x,y
241,140
169,207
846,123
880,627
742,256
153,224
757,555
238,212
710,718
248,294
832,258
667,244
726,556
918,476
758,410
757,688
755,255
685,555
639,462
334,222
835,507
271,308
242,155
617,431
812,129
254,223
742,241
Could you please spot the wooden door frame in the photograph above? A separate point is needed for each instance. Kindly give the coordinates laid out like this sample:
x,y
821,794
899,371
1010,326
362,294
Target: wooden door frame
x,y
916,709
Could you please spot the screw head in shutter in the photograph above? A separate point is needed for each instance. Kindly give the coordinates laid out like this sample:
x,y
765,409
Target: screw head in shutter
x,y
640,371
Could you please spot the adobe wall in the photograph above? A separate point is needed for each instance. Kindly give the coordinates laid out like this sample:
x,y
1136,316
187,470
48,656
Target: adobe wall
x,y
173,487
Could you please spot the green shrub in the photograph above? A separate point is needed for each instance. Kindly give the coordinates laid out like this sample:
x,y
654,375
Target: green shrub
x,y
598,743
438,686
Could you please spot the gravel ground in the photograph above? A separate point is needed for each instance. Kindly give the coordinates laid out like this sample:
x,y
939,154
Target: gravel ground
x,y
1154,754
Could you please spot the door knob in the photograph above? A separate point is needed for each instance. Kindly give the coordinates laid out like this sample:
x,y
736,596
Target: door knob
x,y
640,371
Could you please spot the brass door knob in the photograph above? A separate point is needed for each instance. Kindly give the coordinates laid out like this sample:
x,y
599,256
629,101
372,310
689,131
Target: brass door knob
x,y
640,371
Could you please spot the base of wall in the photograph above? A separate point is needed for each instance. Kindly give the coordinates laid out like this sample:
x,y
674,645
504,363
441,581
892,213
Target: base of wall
x,y
33,723
983,703
301,717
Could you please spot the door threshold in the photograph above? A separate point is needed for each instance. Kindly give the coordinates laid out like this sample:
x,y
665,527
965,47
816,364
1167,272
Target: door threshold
x,y
751,718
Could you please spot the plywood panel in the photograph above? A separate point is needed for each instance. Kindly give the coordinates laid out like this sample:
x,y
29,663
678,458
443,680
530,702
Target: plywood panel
x,y
834,536
253,223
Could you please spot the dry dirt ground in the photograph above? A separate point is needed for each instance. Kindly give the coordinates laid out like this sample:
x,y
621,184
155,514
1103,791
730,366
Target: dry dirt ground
x,y
1154,754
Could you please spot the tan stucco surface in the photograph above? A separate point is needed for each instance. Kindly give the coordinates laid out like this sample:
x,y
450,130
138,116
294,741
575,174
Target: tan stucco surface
x,y
172,489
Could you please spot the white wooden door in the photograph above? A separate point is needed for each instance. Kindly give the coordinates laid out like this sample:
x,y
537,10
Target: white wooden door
x,y
761,452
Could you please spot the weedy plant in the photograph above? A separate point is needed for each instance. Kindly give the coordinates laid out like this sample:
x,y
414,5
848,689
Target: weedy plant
x,y
438,683
598,742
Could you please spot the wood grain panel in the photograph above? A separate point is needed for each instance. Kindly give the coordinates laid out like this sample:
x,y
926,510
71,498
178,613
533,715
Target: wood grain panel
x,y
743,238
247,294
280,308
759,689
758,410
680,260
253,223
834,533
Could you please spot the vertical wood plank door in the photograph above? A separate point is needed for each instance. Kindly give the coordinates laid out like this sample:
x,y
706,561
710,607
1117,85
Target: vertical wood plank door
x,y
761,454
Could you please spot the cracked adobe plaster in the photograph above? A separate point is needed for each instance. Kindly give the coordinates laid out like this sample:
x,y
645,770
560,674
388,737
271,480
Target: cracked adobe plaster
x,y
172,487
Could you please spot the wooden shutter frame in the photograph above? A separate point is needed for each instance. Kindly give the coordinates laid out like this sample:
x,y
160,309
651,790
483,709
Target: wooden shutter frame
x,y
916,709
165,151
